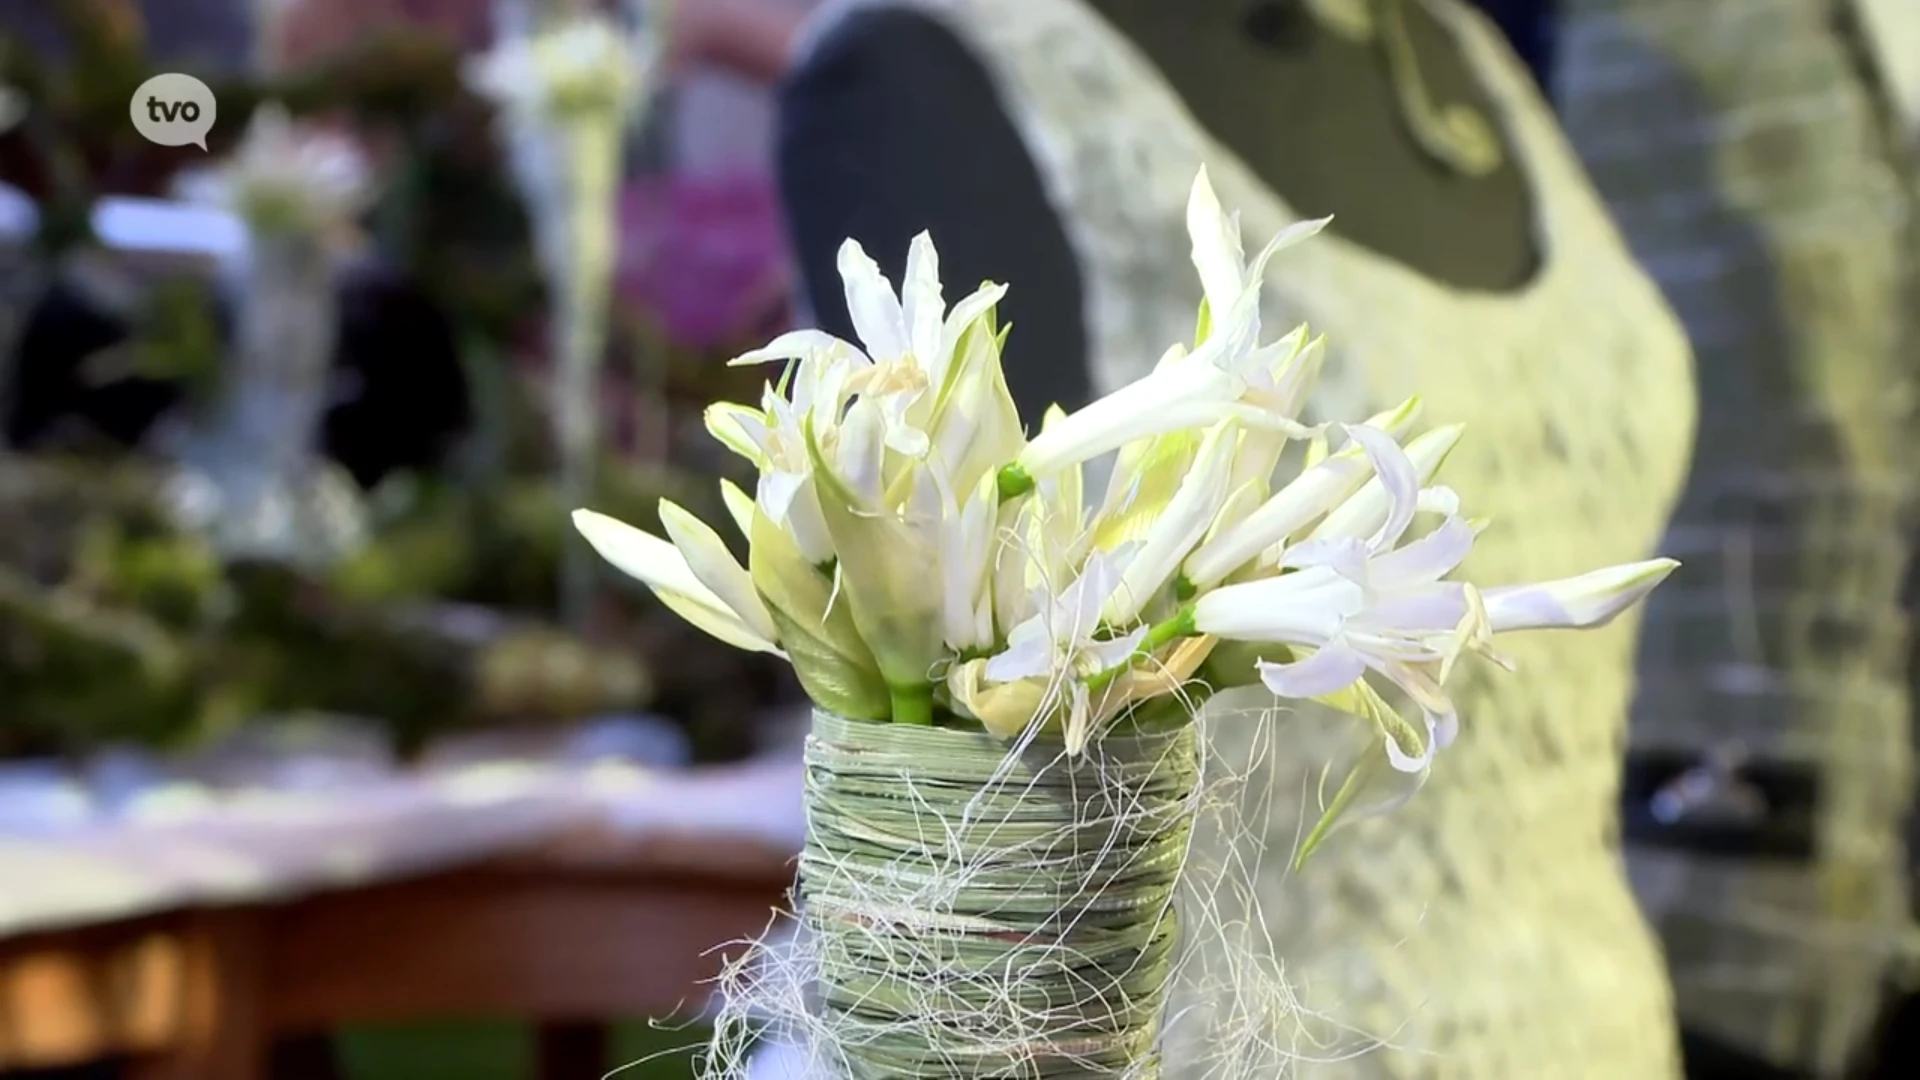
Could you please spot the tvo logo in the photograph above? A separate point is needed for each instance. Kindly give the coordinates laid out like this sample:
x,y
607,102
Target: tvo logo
x,y
173,110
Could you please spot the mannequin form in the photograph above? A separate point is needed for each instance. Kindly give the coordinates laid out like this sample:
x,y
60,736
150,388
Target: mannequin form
x,y
1331,97
1485,932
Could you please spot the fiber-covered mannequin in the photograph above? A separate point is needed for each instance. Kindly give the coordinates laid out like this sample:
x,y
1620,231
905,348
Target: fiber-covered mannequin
x,y
1759,159
1485,931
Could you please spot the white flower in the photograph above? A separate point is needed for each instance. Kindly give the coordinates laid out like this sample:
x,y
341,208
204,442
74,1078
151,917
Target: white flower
x,y
1059,648
695,576
1225,276
885,548
583,65
1319,489
1347,605
773,437
1180,525
286,178
910,341
1229,374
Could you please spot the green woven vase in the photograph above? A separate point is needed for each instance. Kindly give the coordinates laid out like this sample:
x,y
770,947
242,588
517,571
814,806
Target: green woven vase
x,y
981,910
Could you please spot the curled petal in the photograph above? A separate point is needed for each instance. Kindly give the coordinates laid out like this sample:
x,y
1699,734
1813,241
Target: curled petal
x,y
1425,560
1323,671
1394,471
796,345
1004,708
1367,512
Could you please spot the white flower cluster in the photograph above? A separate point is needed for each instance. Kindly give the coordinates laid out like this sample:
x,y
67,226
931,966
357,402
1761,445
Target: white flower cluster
x,y
286,178
583,65
914,554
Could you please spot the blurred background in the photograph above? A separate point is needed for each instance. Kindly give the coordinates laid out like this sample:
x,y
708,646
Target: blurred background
x,y
347,776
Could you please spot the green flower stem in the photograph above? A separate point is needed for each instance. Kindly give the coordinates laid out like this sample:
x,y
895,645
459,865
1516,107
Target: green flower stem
x,y
1159,635
912,704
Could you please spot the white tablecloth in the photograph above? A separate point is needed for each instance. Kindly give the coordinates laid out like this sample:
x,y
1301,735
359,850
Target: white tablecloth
x,y
249,847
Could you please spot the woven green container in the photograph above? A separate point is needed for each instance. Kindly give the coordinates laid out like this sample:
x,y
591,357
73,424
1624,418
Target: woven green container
x,y
980,912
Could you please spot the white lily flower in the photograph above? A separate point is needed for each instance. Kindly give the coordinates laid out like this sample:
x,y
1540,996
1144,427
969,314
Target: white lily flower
x,y
773,437
1218,257
975,426
666,570
1225,378
1229,374
1322,487
885,550
910,340
1058,644
1178,528
1353,606
1384,506
913,327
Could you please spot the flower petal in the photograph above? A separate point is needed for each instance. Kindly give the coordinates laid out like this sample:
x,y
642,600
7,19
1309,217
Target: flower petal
x,y
710,561
1367,512
1029,653
1306,607
1399,481
1592,599
740,429
1323,671
922,307
795,345
662,568
1217,252
871,304
1425,560
739,506
1178,528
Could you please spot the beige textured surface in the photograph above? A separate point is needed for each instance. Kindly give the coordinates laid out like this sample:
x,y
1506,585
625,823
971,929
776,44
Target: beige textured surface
x,y
1487,930
1742,145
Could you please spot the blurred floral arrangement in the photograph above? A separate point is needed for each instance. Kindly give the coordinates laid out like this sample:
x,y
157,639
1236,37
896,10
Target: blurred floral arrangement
x,y
567,92
388,229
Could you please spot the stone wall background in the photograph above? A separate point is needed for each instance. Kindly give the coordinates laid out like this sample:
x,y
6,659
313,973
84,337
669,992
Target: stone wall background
x,y
1750,153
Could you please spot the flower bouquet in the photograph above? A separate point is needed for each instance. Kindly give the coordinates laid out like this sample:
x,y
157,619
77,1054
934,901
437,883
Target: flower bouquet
x,y
1003,767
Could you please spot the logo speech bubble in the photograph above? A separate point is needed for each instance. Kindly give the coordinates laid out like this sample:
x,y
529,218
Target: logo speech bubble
x,y
173,110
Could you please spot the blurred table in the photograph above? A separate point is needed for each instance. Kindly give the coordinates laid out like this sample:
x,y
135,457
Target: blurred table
x,y
559,901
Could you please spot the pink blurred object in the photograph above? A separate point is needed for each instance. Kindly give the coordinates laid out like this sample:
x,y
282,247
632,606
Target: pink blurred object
x,y
707,256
